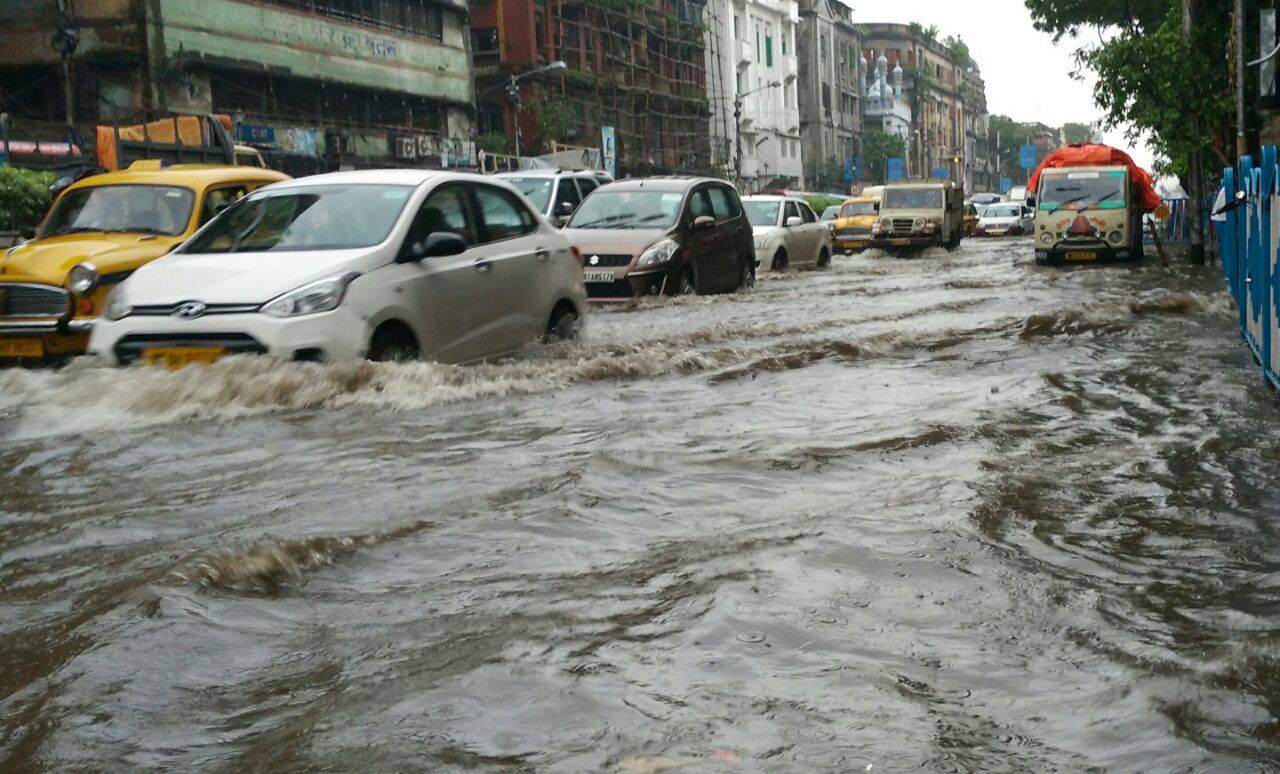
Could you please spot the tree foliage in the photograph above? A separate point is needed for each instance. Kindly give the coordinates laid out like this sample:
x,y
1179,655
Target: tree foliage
x,y
877,148
24,197
1074,134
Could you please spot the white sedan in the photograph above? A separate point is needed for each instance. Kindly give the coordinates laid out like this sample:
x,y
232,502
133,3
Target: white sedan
x,y
387,264
787,233
1005,219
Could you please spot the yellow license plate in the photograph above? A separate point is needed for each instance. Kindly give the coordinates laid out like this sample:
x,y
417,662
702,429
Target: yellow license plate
x,y
21,348
900,242
1081,256
176,357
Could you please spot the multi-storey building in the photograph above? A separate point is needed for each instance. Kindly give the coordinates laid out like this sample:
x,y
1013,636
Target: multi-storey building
x,y
945,90
316,84
830,93
752,71
638,68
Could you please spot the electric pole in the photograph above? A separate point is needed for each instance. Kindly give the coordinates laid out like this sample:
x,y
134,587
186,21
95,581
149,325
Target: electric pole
x,y
1195,195
66,39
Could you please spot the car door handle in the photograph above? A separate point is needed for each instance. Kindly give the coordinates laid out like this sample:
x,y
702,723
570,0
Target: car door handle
x,y
542,253
482,266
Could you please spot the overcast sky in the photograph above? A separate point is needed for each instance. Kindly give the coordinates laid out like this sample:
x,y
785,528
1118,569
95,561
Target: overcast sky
x,y
1013,56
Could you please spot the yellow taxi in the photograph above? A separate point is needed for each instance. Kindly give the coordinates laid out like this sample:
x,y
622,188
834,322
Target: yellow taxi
x,y
970,218
99,230
851,230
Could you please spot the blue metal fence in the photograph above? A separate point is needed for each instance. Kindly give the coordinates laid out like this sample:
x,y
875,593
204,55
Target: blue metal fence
x,y
1249,242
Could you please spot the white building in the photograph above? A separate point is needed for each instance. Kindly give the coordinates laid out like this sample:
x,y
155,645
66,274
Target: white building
x,y
752,65
885,106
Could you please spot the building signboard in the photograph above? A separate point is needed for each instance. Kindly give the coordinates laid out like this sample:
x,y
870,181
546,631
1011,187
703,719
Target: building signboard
x,y
1027,154
609,150
259,136
895,169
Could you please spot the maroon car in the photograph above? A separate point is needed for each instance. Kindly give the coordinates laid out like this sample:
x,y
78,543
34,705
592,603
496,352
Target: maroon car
x,y
669,235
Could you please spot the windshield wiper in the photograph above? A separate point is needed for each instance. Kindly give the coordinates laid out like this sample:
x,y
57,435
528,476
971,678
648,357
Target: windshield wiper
x,y
599,221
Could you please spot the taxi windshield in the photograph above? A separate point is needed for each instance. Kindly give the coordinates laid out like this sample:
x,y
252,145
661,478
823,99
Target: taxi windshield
x,y
912,199
1083,190
762,212
146,209
854,209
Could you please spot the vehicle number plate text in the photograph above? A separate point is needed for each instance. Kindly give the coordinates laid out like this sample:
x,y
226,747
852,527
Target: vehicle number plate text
x,y
21,348
1081,256
598,276
900,242
176,357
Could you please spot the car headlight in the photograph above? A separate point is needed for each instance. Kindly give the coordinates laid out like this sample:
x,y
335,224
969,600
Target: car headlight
x,y
83,279
321,296
1046,238
659,253
117,308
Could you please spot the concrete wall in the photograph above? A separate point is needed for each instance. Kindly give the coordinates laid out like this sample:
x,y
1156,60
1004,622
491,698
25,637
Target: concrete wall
x,y
27,25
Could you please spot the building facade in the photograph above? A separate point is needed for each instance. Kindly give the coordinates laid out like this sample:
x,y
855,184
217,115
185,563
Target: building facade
x,y
639,69
886,108
752,81
315,84
830,93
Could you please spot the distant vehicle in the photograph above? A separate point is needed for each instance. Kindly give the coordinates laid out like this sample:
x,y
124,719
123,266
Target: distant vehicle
x,y
787,233
919,214
857,216
383,264
982,199
556,193
1017,195
1005,219
674,235
100,230
971,216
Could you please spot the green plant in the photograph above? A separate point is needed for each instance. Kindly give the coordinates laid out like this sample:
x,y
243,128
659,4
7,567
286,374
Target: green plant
x,y
24,197
877,148
493,142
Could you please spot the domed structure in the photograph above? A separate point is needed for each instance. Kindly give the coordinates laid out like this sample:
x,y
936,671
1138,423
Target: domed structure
x,y
880,88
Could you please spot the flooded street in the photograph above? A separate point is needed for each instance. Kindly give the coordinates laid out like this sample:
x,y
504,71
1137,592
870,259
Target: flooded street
x,y
955,513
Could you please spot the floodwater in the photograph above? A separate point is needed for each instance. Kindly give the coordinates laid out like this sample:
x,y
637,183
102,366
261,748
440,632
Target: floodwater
x,y
957,513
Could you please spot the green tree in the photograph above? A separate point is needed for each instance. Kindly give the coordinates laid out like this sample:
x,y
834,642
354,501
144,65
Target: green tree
x,y
1075,134
24,197
877,148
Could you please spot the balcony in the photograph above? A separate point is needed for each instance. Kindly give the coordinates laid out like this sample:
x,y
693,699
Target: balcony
x,y
746,53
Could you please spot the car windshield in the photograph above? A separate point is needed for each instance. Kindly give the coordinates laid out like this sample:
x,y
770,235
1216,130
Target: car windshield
x,y
537,189
761,212
151,209
1083,190
317,217
628,209
853,209
1003,211
912,198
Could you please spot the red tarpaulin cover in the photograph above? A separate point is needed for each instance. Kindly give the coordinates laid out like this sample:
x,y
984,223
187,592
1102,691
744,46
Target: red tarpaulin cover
x,y
1097,156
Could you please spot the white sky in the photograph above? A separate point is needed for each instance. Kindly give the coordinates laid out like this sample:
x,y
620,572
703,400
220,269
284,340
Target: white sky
x,y
1028,77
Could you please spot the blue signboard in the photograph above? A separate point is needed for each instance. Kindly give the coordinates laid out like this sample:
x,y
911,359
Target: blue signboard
x,y
848,169
609,150
895,169
1027,153
1005,185
939,172
256,135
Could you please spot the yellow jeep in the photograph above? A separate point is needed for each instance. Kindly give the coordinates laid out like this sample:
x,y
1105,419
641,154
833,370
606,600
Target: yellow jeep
x,y
99,230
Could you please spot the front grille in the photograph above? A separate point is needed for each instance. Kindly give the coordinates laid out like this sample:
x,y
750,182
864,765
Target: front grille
x,y
903,224
615,289
855,231
606,260
164,310
33,301
129,348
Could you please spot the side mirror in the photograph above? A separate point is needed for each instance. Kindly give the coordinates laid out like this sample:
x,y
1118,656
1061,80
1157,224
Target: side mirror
x,y
1031,202
437,245
565,209
28,234
794,220
703,222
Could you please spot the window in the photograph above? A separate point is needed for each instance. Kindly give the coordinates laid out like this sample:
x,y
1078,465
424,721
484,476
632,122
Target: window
x,y
723,203
768,45
699,205
757,41
786,33
806,213
504,217
737,27
566,193
587,185
791,213
219,199
445,210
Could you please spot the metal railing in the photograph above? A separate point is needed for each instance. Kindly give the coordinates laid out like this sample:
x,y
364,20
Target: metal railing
x,y
1249,248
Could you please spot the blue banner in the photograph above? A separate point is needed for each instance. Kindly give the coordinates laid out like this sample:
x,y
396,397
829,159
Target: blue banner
x,y
939,173
1028,156
895,169
1005,184
848,169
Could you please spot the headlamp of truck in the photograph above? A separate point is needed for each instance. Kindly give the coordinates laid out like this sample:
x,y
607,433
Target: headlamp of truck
x,y
83,279
1116,237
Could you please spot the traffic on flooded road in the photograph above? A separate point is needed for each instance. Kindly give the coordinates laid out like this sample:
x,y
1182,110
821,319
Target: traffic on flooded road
x,y
952,513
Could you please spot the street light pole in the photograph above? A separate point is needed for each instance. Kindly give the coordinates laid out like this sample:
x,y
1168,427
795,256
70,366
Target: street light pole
x,y
737,129
513,90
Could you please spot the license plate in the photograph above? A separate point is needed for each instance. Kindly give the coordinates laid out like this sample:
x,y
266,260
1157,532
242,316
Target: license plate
x,y
598,276
176,357
1081,256
996,233
21,348
900,242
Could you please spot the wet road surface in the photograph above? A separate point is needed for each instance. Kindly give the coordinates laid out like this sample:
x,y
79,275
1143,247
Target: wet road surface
x,y
957,513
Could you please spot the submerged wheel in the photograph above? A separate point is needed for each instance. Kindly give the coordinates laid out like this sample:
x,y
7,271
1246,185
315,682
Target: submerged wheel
x,y
684,284
565,324
824,259
779,261
747,277
393,343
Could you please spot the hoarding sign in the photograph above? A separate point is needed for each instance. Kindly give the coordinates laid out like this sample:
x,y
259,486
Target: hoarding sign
x,y
895,169
1027,154
848,169
1005,184
249,134
609,150
939,173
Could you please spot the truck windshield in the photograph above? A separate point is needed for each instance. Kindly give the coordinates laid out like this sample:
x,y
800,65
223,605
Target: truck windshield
x,y
628,210
912,199
147,209
762,213
1083,190
316,217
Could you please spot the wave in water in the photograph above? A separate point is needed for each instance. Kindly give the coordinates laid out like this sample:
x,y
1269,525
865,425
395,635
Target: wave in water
x,y
1117,314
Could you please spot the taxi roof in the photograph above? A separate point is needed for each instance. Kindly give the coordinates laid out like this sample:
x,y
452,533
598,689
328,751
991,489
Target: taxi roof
x,y
189,175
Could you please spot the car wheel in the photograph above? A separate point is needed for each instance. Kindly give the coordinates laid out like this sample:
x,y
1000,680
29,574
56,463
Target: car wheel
x,y
393,343
779,261
685,284
747,277
824,259
564,325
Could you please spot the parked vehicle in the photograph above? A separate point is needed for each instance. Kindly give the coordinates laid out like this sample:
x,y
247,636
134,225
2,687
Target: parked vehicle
x,y
920,214
787,233
1005,219
99,231
670,235
386,264
857,216
971,217
1089,201
555,193
983,199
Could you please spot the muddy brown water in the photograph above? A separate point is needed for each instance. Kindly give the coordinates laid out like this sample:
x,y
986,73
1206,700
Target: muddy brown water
x,y
958,513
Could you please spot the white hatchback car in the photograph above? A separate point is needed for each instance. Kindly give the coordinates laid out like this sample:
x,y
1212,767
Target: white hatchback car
x,y
1005,219
787,233
386,264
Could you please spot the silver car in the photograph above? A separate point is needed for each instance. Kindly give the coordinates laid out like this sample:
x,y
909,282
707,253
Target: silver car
x,y
787,233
